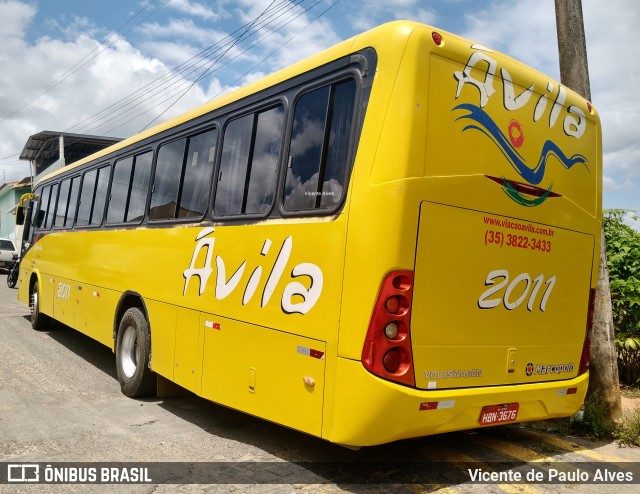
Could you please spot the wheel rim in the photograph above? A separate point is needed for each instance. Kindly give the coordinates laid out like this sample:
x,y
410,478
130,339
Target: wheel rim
x,y
128,353
34,304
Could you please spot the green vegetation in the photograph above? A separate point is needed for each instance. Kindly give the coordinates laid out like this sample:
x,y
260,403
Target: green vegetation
x,y
623,260
628,432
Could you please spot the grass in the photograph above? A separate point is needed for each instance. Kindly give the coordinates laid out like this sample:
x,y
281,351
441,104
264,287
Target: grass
x,y
627,433
594,423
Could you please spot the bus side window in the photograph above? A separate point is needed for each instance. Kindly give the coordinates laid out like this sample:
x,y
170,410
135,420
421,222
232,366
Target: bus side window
x,y
73,202
166,182
63,202
249,163
44,206
181,184
86,198
48,222
198,167
139,187
119,190
100,199
319,150
129,187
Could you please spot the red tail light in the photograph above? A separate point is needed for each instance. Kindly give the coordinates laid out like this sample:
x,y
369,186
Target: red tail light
x,y
387,347
586,348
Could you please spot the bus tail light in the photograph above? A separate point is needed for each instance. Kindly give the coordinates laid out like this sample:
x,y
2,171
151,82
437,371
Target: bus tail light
x,y
387,348
586,348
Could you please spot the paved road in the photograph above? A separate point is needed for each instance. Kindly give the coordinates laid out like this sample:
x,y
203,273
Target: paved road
x,y
60,402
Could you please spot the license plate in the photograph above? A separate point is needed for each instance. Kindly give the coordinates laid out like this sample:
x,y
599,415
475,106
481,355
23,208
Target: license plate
x,y
499,414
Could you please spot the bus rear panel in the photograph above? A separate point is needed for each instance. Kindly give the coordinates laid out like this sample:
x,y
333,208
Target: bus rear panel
x,y
480,220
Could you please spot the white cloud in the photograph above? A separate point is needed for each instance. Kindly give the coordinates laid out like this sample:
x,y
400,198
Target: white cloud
x,y
369,16
28,67
182,28
193,8
526,30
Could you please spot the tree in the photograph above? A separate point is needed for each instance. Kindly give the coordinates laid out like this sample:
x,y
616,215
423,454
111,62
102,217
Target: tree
x,y
623,261
574,73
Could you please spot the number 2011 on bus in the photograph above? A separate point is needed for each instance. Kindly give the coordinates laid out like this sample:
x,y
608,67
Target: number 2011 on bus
x,y
507,298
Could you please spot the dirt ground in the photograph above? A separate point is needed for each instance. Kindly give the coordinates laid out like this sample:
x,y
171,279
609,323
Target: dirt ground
x,y
629,405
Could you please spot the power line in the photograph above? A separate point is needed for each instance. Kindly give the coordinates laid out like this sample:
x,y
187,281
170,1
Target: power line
x,y
210,65
163,82
175,87
195,64
80,64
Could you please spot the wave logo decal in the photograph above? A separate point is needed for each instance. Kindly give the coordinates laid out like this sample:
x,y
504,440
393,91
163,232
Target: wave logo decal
x,y
479,120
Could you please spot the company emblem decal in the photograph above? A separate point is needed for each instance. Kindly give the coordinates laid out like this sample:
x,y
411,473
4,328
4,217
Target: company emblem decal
x,y
479,120
529,369
546,369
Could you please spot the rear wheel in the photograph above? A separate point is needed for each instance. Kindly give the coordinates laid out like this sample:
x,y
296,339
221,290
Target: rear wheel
x,y
133,353
39,321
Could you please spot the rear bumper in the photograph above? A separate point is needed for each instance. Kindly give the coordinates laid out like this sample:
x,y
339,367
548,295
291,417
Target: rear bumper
x,y
369,410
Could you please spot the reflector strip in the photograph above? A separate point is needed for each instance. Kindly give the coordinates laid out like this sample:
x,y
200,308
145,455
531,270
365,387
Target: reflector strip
x,y
567,391
212,325
437,405
303,350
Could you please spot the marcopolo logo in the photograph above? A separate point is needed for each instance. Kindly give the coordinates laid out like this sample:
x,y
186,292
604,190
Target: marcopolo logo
x,y
546,369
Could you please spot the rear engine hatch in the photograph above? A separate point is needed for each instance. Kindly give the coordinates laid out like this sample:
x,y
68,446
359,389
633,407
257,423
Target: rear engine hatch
x,y
497,300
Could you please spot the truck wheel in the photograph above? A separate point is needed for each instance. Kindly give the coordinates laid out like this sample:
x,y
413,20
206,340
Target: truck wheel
x,y
39,321
133,355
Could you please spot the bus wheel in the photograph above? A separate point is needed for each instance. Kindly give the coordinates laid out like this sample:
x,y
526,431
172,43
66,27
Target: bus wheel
x,y
39,321
133,352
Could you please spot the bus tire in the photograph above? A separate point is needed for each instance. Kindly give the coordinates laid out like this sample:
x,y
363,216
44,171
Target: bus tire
x,y
39,321
133,355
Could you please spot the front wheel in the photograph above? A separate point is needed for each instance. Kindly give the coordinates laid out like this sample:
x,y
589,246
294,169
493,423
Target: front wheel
x,y
133,355
39,321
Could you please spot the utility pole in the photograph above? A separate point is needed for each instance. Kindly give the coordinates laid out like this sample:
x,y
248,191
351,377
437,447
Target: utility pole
x,y
604,384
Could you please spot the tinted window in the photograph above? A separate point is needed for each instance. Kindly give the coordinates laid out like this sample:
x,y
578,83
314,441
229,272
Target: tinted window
x,y
139,187
166,182
44,205
334,176
86,198
100,197
52,204
198,167
249,163
73,202
233,166
63,202
319,147
119,190
264,165
33,215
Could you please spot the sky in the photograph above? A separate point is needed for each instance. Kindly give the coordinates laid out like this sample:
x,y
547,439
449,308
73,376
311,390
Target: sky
x,y
105,68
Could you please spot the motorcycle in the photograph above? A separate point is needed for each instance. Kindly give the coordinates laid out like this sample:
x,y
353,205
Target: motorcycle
x,y
12,277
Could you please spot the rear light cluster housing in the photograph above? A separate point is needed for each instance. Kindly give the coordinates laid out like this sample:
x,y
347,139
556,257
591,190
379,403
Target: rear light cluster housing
x,y
586,347
387,347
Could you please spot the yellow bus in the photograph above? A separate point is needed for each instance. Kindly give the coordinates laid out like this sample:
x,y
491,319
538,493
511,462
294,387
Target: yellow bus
x,y
392,238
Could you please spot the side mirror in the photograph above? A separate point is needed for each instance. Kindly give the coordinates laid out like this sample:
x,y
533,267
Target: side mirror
x,y
20,215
